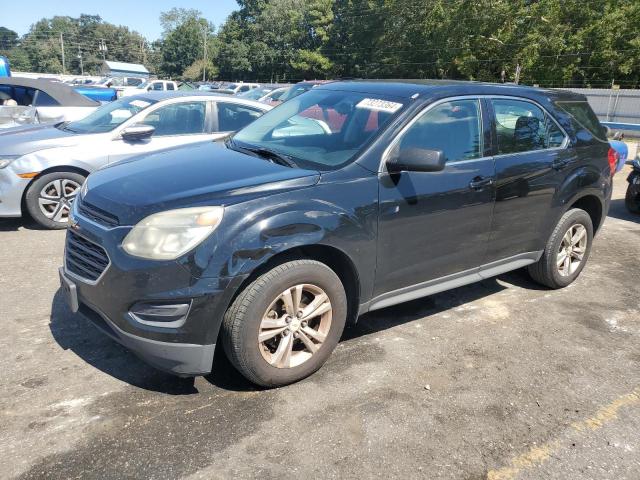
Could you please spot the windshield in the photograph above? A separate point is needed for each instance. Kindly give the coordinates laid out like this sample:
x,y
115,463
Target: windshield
x,y
231,87
321,129
143,85
109,116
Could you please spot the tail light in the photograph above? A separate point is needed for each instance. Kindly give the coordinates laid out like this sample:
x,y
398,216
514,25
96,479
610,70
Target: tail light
x,y
613,160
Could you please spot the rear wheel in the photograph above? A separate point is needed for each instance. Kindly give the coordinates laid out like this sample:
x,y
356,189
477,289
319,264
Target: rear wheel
x,y
50,196
284,325
632,198
566,252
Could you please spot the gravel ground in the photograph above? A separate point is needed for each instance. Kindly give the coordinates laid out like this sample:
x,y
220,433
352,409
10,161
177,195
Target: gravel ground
x,y
498,380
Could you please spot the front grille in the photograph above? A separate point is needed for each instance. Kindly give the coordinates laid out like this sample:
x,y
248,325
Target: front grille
x,y
97,214
84,258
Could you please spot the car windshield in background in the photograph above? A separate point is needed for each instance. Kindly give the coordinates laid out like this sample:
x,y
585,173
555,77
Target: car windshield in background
x,y
322,129
255,93
296,90
109,116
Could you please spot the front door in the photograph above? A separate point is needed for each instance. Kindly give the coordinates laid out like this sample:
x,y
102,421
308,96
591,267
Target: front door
x,y
175,124
433,224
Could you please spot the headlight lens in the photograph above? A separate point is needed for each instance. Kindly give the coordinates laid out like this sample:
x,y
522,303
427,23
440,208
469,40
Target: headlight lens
x,y
7,159
168,235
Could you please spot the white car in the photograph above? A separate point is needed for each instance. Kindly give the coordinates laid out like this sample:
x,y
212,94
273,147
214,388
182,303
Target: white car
x,y
43,166
241,87
150,86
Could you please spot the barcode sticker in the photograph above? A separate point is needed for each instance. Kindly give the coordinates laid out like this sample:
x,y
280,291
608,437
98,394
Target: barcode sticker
x,y
379,105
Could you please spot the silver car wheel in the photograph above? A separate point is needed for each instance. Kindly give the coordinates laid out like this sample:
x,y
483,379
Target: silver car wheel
x,y
295,325
572,250
56,197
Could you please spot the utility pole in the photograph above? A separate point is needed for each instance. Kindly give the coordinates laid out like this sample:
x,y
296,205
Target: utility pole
x,y
204,57
62,48
518,70
81,66
103,48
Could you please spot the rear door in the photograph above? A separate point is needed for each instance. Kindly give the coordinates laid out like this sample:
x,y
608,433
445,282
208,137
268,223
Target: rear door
x,y
531,162
434,224
230,117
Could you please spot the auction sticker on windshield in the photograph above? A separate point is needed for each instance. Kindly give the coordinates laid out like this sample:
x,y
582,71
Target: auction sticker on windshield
x,y
379,105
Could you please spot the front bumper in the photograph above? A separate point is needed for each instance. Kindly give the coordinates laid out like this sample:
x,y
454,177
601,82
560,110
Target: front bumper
x,y
183,349
12,188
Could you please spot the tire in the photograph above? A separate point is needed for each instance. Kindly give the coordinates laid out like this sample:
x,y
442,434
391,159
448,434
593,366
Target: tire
x,y
547,271
262,301
53,193
632,199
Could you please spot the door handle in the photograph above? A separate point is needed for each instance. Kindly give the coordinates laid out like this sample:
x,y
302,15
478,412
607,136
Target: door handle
x,y
478,183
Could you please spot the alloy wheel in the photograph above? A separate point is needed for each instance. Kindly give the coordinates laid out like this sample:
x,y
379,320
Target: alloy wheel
x,y
295,325
572,250
56,197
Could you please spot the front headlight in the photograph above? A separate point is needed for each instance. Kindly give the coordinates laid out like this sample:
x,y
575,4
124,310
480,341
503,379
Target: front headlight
x,y
168,235
7,159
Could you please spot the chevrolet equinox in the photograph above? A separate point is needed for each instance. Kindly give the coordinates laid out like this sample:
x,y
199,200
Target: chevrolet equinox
x,y
349,198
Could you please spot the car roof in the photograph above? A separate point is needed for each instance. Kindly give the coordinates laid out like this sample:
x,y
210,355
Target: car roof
x,y
62,93
196,94
425,88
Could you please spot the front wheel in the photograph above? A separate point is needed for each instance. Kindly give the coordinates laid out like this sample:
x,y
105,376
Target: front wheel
x,y
284,325
566,252
50,196
632,198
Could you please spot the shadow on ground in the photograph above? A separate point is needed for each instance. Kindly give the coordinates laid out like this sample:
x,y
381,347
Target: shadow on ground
x,y
75,333
15,224
619,210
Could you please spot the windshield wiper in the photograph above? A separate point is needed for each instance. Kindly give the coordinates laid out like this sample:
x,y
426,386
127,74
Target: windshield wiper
x,y
271,155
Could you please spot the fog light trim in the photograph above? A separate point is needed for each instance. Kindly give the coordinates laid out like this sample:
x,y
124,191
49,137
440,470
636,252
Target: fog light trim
x,y
162,315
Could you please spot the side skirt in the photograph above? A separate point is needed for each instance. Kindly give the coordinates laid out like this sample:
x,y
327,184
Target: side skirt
x,y
449,282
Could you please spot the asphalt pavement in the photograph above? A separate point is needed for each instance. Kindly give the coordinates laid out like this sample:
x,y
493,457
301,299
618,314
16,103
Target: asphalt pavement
x,y
500,380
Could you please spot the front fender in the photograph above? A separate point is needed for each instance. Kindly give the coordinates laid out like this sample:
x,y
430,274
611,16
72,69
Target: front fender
x,y
48,158
340,216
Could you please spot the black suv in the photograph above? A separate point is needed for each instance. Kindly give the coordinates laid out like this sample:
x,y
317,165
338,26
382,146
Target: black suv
x,y
351,197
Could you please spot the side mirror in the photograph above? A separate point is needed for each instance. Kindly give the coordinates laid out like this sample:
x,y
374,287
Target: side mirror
x,y
135,133
416,160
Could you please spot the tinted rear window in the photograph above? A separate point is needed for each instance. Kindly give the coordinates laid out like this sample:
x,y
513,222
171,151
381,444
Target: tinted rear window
x,y
582,113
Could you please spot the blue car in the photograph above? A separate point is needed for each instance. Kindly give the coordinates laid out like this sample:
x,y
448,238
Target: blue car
x,y
5,69
99,94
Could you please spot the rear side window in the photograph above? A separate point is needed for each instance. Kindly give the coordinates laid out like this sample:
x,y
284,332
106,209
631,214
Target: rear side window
x,y
43,99
233,117
452,127
523,127
582,113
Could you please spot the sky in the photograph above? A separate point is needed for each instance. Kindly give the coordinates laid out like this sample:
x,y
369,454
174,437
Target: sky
x,y
139,15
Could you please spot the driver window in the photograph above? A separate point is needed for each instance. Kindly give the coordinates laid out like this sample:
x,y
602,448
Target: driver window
x,y
178,119
452,127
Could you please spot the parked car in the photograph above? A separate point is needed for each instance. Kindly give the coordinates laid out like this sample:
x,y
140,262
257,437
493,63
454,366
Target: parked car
x,y
273,97
632,197
255,93
300,88
150,86
27,100
5,68
43,167
241,87
96,93
268,245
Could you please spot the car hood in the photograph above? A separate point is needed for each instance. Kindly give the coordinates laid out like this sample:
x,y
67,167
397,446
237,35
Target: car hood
x,y
204,174
31,138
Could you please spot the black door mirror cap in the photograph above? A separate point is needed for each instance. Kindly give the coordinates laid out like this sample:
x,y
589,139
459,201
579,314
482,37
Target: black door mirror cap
x,y
137,132
416,160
